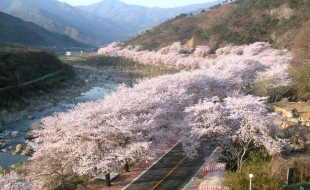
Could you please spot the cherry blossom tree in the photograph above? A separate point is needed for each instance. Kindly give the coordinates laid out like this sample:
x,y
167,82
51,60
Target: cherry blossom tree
x,y
270,81
238,124
14,181
202,51
70,144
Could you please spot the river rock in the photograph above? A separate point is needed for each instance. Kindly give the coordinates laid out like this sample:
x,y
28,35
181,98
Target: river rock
x,y
26,152
307,136
31,117
28,136
14,134
4,150
285,100
35,126
288,148
18,149
48,105
2,145
299,147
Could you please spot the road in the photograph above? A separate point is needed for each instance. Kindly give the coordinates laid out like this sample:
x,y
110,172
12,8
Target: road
x,y
173,171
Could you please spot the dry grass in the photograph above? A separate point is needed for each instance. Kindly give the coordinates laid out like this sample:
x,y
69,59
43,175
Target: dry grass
x,y
182,29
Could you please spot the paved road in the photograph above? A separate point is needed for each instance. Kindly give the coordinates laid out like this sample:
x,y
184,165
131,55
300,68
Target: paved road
x,y
173,171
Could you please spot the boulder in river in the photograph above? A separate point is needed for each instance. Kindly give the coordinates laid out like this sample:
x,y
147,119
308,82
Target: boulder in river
x,y
31,117
35,126
28,136
3,145
26,152
18,149
14,134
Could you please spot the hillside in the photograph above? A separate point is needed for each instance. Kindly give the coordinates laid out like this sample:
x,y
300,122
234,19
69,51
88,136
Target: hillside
x,y
283,23
65,19
137,18
241,22
26,69
15,30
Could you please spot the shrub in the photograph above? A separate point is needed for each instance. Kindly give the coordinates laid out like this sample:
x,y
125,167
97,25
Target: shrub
x,y
262,179
274,93
300,164
301,81
259,164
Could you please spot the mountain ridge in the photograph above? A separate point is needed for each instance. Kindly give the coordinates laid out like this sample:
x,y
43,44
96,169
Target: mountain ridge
x,y
65,19
121,22
136,17
15,30
241,22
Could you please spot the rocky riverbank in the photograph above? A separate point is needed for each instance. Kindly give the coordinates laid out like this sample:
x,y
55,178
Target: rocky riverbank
x,y
18,120
296,124
87,78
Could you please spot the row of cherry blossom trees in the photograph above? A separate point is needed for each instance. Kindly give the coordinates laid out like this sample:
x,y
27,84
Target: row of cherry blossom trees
x,y
271,79
135,123
177,55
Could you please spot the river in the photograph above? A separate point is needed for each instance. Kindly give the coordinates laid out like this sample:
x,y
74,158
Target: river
x,y
7,159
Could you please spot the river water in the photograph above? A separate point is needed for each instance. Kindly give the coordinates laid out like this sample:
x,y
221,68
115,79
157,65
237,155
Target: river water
x,y
22,126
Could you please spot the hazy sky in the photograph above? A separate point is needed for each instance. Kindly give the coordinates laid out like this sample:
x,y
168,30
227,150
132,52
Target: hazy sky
x,y
148,3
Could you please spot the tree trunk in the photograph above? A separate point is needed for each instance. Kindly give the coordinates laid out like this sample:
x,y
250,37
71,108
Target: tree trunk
x,y
63,184
108,179
126,166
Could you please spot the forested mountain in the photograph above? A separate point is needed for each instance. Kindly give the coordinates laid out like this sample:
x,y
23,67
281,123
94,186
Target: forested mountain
x,y
137,18
284,23
65,19
97,24
15,30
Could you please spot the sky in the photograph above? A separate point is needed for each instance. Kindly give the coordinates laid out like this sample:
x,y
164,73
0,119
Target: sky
x,y
147,3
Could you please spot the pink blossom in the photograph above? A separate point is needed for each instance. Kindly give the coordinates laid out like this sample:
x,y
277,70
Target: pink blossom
x,y
14,181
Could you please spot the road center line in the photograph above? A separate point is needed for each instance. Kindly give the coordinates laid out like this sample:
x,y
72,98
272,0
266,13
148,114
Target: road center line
x,y
169,173
151,165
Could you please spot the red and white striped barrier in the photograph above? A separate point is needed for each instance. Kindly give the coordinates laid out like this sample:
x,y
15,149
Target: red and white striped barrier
x,y
212,187
213,166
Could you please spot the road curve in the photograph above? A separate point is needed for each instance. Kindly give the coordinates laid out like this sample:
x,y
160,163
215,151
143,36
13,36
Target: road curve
x,y
173,171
